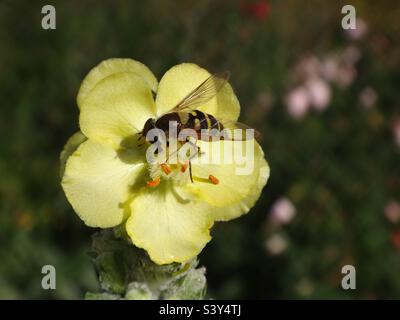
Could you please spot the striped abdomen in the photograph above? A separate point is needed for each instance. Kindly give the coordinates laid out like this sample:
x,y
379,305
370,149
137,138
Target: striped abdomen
x,y
196,120
199,120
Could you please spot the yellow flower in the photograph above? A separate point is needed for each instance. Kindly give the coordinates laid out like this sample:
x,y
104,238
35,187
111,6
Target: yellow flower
x,y
106,171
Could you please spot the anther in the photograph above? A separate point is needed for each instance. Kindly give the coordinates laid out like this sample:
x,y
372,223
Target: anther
x,y
213,179
166,168
184,167
154,183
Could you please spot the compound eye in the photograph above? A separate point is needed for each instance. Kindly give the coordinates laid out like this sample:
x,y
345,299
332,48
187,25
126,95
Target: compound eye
x,y
148,123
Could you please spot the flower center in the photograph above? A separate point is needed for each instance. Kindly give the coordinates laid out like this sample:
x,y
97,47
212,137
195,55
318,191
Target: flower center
x,y
180,173
175,172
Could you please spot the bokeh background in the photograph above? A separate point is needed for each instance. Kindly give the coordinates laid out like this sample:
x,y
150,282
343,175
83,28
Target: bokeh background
x,y
326,101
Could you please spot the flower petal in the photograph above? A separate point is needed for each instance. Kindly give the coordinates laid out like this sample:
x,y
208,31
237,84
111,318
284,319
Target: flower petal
x,y
244,206
169,226
112,66
97,181
238,189
181,79
116,108
72,144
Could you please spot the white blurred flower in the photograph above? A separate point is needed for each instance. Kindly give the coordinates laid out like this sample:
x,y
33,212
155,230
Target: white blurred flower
x,y
298,102
368,97
282,211
392,211
319,93
276,244
359,32
396,132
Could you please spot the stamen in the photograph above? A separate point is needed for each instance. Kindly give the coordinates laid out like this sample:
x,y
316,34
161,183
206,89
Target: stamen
x,y
213,179
166,168
184,167
210,179
154,183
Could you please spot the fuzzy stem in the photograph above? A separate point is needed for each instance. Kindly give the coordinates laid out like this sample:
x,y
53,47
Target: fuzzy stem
x,y
126,272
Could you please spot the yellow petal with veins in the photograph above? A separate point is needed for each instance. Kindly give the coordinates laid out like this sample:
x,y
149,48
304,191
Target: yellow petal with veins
x,y
112,66
168,225
241,176
181,79
72,144
97,183
236,210
116,109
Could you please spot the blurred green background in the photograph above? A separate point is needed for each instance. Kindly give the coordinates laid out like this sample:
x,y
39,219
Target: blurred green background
x,y
325,100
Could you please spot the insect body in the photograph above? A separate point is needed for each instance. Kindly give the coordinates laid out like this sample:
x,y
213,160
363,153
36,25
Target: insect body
x,y
196,120
186,115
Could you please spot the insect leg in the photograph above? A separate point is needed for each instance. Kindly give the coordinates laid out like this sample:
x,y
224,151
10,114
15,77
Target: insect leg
x,y
194,144
190,171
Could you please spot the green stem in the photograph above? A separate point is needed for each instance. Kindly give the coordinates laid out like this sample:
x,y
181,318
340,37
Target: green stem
x,y
126,272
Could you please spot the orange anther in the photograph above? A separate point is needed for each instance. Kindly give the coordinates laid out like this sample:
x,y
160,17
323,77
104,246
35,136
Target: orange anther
x,y
154,183
166,168
213,179
184,167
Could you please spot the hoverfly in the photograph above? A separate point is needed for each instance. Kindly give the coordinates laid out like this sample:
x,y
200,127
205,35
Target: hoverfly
x,y
186,116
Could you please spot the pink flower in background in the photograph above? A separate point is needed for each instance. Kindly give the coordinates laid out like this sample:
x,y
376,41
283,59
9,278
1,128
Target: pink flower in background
x,y
282,212
315,93
298,102
258,10
276,244
396,131
319,93
359,32
330,68
310,66
351,55
346,75
340,68
316,76
368,97
392,211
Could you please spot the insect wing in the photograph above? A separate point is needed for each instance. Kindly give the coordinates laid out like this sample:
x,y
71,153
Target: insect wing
x,y
238,131
203,93
232,130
